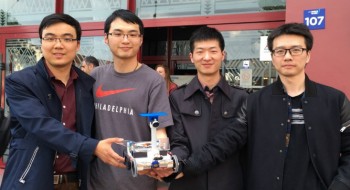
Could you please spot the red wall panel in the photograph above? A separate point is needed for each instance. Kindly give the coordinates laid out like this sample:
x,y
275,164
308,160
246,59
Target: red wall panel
x,y
329,64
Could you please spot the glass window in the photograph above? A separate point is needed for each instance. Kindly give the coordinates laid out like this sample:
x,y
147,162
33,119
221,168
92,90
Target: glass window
x,y
181,43
92,10
94,46
154,42
28,12
22,53
180,8
243,54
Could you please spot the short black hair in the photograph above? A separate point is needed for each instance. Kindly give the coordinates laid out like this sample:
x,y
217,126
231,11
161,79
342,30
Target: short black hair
x,y
59,18
206,33
91,60
127,16
299,29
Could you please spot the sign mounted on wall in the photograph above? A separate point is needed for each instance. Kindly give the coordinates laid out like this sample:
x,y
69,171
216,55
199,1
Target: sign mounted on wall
x,y
265,54
315,19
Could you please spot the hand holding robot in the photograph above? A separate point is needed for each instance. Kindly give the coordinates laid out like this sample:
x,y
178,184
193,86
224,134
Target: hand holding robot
x,y
140,157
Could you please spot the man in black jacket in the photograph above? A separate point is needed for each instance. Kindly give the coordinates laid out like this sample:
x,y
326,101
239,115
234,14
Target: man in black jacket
x,y
295,130
201,109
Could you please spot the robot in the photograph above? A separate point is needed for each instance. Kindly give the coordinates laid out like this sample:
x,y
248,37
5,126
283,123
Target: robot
x,y
140,156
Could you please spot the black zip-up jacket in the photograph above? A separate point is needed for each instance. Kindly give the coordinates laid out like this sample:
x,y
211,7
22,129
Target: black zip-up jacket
x,y
196,121
261,127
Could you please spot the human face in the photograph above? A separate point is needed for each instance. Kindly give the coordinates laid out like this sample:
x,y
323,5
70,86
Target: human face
x,y
161,71
207,57
288,65
87,68
58,53
124,47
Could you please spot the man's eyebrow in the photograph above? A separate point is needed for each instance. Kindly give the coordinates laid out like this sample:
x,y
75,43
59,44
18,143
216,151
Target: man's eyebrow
x,y
64,35
67,34
119,30
49,34
284,47
209,48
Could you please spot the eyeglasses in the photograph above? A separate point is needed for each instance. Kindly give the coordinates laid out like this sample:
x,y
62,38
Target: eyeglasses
x,y
122,36
61,40
292,51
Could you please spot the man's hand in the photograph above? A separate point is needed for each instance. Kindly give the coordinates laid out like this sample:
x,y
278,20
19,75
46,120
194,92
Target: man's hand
x,y
157,173
150,173
180,175
162,172
105,152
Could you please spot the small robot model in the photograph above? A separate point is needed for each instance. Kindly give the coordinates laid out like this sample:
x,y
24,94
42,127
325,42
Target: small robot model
x,y
147,155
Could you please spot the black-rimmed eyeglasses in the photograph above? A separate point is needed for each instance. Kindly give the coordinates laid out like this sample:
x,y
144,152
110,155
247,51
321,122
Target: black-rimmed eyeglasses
x,y
292,51
61,40
122,36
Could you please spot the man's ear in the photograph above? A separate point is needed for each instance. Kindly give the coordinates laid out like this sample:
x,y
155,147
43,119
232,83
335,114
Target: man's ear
x,y
78,47
191,57
223,55
141,41
106,39
308,57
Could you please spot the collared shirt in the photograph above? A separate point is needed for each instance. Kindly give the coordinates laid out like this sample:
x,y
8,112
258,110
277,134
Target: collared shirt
x,y
192,87
66,93
210,93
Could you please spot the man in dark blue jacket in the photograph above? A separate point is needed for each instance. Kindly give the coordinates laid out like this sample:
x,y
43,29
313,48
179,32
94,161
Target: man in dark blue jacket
x,y
295,130
52,113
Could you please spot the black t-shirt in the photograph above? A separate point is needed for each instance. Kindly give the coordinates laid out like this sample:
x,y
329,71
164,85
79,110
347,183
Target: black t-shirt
x,y
299,174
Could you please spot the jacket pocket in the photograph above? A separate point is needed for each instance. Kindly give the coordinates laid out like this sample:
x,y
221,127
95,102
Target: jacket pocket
x,y
23,176
228,112
192,108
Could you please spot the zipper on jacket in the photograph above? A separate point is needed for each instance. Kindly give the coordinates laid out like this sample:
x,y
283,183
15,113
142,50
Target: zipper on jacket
x,y
22,178
344,128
